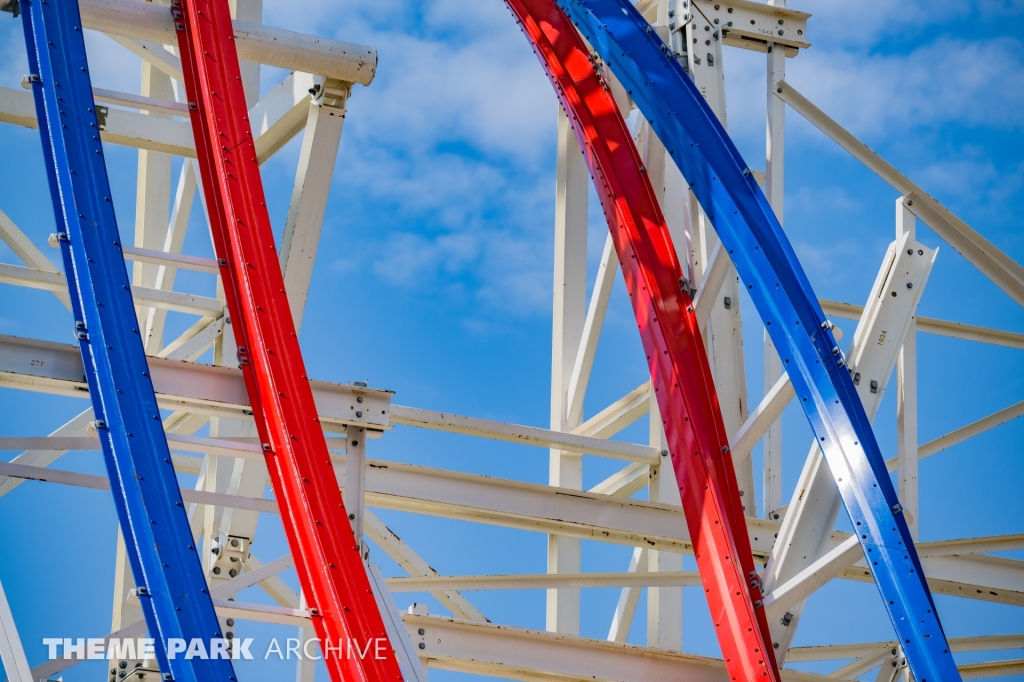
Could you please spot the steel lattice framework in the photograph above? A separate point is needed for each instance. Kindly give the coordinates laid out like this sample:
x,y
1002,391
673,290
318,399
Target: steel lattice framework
x,y
689,226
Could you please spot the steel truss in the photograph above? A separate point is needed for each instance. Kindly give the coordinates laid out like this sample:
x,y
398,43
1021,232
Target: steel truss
x,y
634,180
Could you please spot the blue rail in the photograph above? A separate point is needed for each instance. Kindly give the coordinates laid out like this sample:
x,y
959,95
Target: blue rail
x,y
779,288
171,586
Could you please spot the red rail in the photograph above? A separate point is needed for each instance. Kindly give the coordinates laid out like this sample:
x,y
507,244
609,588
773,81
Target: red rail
x,y
671,338
326,552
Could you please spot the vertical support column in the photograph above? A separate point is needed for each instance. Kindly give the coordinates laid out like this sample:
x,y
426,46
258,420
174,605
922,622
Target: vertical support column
x,y
773,436
664,604
568,318
775,139
906,398
309,197
153,193
355,478
723,335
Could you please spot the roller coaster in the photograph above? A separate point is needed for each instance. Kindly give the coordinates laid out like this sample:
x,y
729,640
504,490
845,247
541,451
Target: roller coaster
x,y
185,552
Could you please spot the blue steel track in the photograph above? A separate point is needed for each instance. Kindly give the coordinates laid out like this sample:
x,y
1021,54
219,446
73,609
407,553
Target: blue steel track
x,y
171,586
767,265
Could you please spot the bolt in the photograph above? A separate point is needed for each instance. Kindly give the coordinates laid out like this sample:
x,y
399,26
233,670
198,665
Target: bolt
x,y
910,285
422,631
359,399
234,543
781,22
122,664
664,453
775,516
216,570
359,414
231,622
423,645
232,573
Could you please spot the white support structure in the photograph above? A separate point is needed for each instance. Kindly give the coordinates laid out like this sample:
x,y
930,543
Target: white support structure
x,y
906,397
568,320
12,653
774,186
196,379
309,198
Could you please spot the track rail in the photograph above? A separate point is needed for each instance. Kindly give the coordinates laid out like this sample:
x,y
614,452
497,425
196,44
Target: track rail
x,y
171,586
671,337
779,288
326,552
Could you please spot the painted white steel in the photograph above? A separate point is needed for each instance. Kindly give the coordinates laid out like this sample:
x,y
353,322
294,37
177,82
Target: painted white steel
x,y
930,325
906,399
996,265
417,567
309,202
568,318
255,43
401,642
28,252
521,654
12,653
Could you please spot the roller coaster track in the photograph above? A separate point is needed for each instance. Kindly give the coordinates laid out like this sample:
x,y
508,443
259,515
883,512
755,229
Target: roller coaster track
x,y
170,582
326,552
680,373
764,258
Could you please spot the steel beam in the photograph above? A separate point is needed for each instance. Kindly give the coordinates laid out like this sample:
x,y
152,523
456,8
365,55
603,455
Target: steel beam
x,y
256,43
175,600
764,258
1007,274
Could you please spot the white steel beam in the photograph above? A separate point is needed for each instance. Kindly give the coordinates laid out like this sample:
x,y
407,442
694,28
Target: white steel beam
x,y
169,300
1007,274
906,399
525,435
199,389
538,508
618,415
275,119
538,581
569,308
309,201
140,103
255,42
415,566
173,240
830,652
29,253
128,128
591,335
12,653
154,54
530,655
629,598
930,325
963,433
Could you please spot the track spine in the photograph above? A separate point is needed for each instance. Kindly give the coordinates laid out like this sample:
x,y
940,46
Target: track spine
x,y
680,374
172,589
327,554
766,263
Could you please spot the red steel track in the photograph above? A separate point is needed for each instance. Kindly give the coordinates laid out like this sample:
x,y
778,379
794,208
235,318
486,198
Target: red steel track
x,y
671,338
326,552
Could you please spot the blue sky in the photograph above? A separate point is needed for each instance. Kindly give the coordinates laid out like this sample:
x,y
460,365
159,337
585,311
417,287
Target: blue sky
x,y
434,280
